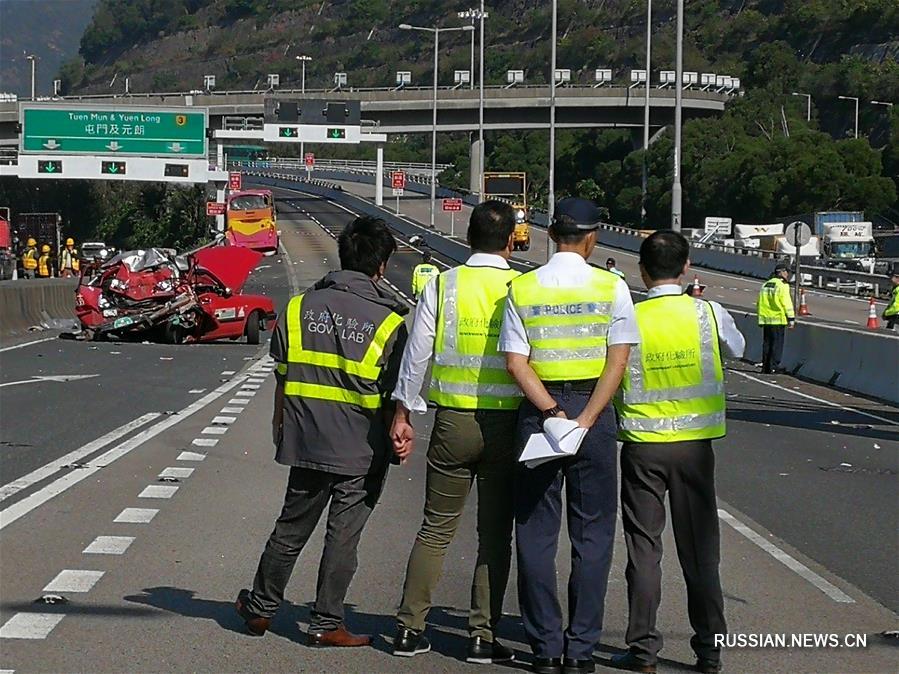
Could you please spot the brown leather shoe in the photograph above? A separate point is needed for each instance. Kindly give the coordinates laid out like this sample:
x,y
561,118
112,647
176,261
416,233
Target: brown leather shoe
x,y
339,638
255,624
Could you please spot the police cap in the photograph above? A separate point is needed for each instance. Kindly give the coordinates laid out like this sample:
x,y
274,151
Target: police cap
x,y
781,266
574,215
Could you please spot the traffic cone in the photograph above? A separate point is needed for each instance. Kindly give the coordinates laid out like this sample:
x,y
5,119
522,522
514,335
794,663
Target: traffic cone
x,y
873,321
803,306
697,288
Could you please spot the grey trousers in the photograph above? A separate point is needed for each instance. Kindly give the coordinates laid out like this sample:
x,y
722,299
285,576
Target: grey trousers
x,y
352,500
686,470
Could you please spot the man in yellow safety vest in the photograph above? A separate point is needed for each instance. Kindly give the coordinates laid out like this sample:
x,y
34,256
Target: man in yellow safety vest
x,y
891,313
456,330
775,314
68,259
338,349
29,258
44,263
423,273
671,406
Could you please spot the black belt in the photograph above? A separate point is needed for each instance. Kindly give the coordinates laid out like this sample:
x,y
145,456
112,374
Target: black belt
x,y
580,385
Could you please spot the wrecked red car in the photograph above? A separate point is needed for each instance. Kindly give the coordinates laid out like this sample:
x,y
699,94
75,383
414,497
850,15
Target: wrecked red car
x,y
157,294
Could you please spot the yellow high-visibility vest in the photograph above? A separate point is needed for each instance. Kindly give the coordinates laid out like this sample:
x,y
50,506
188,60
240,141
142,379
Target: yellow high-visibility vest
x,y
68,259
420,277
893,307
774,304
43,265
468,371
673,388
566,327
29,258
305,368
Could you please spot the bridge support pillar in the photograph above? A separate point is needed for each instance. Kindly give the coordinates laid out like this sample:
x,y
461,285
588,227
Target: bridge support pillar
x,y
474,163
379,176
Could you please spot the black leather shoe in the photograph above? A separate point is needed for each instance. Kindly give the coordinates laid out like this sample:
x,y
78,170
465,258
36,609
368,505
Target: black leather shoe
x,y
483,652
632,663
547,665
572,666
408,642
708,666
256,625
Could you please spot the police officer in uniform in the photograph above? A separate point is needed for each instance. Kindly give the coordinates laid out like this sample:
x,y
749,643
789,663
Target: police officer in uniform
x,y
456,329
567,330
338,349
671,406
423,273
775,314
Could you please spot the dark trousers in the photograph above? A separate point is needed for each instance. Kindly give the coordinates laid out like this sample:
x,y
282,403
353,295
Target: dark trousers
x,y
352,500
686,470
467,447
590,481
772,346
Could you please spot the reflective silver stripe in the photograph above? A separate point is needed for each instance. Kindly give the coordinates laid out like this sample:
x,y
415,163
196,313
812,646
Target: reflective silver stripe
x,y
559,355
686,422
462,388
480,362
709,386
570,331
449,309
536,310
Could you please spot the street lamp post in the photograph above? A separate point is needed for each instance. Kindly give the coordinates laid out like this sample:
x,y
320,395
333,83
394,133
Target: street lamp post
x,y
33,59
646,110
808,105
887,104
676,193
475,15
481,148
303,59
852,98
436,30
551,196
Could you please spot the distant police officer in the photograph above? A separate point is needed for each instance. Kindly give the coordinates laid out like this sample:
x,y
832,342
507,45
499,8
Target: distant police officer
x,y
891,313
338,349
29,258
456,329
610,265
671,406
567,330
775,314
423,273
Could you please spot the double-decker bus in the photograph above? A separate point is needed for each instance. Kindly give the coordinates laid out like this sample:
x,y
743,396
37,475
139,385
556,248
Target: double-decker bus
x,y
251,220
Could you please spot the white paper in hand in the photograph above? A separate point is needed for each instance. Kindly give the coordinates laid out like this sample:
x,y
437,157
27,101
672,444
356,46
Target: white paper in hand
x,y
560,438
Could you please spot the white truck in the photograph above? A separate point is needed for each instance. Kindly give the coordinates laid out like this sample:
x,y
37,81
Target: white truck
x,y
849,245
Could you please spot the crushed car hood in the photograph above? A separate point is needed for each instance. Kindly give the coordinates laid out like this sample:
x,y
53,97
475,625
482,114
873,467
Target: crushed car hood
x,y
138,260
229,264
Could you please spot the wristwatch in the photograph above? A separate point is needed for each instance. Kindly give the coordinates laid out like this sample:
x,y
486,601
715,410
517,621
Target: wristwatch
x,y
553,411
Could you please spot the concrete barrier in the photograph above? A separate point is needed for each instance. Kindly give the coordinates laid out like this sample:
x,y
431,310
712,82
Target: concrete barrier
x,y
28,302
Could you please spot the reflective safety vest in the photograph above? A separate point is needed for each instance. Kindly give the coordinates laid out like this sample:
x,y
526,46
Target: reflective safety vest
x,y
775,305
566,327
673,389
468,371
43,265
29,258
893,307
310,374
420,277
68,259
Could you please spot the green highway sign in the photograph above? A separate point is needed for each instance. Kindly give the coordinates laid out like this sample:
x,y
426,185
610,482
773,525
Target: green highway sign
x,y
97,130
49,167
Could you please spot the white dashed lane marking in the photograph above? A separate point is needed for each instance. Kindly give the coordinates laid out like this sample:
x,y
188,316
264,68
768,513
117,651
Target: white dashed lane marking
x,y
204,442
30,625
190,456
245,394
197,390
109,545
175,471
74,580
238,401
215,430
227,373
136,515
249,387
158,491
227,421
232,410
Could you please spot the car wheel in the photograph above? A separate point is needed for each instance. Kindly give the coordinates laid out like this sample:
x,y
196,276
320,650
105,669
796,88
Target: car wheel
x,y
173,333
252,328
526,246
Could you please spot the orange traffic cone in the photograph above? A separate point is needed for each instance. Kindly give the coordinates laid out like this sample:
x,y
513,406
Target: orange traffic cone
x,y
873,322
803,306
697,288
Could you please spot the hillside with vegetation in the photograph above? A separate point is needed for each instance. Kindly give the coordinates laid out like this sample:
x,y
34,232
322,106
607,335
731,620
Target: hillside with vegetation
x,y
761,160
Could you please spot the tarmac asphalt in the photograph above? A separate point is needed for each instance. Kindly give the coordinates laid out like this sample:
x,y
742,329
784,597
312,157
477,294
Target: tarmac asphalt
x,y
151,536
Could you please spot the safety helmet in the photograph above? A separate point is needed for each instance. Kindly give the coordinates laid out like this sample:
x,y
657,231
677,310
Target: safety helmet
x,y
70,241
45,248
31,241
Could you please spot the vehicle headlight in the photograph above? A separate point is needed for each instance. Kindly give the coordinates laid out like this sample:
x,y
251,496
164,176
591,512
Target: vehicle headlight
x,y
519,214
103,253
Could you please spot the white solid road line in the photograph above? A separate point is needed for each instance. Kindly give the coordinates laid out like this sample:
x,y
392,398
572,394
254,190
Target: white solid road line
x,y
790,562
41,379
49,469
30,625
746,375
22,346
136,515
38,498
74,580
109,545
